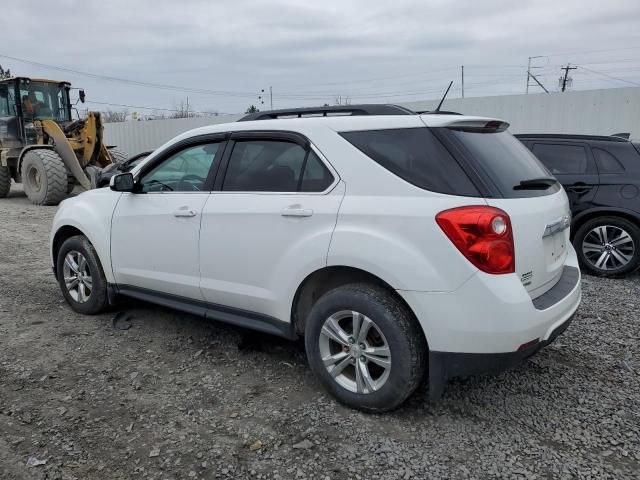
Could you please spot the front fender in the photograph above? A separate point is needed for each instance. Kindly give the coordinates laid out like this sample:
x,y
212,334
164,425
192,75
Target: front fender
x,y
91,213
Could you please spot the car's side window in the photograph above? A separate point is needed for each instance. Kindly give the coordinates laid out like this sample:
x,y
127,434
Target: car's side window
x,y
274,166
562,159
184,171
607,163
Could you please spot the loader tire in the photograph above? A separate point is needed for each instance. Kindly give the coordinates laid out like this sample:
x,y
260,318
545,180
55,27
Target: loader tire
x,y
117,155
5,181
44,177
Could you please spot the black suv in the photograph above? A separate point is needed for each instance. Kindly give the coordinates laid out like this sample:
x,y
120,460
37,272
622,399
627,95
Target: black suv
x,y
602,178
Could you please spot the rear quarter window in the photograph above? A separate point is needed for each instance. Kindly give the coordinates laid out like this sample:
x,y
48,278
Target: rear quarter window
x,y
607,163
416,156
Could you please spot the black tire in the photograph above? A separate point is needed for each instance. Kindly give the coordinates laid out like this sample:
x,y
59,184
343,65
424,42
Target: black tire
x,y
615,225
117,155
44,177
405,339
98,300
5,181
71,183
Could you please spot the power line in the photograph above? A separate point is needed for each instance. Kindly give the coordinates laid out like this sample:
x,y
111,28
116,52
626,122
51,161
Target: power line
x,y
610,76
153,108
132,82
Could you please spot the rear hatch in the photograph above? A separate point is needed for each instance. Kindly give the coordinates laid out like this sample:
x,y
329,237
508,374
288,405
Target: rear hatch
x,y
515,181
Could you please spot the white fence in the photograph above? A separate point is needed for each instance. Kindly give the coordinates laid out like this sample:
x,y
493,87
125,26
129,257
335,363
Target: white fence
x,y
589,112
138,137
596,112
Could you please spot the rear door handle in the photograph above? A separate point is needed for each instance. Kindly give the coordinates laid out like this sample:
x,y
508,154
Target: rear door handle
x,y
578,188
183,212
296,211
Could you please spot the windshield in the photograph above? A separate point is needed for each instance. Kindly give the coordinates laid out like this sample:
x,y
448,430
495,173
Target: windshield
x,y
45,100
507,162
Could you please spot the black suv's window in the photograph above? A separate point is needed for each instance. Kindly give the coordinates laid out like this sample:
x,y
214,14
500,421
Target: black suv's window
x,y
562,159
607,163
415,155
505,160
274,166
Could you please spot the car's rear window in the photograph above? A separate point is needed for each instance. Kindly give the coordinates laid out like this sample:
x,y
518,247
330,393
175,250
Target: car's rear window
x,y
415,155
505,160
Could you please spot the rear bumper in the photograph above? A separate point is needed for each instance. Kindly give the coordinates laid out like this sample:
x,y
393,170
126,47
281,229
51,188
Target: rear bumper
x,y
446,365
491,323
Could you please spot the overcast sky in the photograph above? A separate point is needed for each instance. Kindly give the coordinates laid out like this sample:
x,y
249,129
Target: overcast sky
x,y
312,52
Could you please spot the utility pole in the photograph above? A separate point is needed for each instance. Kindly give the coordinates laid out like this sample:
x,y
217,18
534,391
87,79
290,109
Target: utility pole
x,y
529,75
271,96
566,74
462,75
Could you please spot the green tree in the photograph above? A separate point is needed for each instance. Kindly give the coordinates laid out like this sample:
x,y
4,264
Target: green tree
x,y
252,109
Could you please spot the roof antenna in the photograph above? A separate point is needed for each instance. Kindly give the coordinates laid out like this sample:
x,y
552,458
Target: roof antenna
x,y
443,97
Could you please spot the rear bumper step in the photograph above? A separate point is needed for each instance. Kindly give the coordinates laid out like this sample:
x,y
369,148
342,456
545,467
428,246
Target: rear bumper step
x,y
567,282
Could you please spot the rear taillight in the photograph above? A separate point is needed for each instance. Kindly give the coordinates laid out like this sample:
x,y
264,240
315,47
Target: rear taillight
x,y
483,235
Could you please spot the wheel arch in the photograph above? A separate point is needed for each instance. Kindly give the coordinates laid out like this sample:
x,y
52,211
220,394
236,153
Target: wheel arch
x,y
62,234
29,148
590,214
327,278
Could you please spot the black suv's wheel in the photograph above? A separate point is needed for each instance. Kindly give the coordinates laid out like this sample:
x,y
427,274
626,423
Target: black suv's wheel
x,y
608,246
81,277
365,347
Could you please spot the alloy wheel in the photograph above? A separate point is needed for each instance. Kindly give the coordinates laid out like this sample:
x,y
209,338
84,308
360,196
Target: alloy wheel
x,y
608,247
77,276
355,352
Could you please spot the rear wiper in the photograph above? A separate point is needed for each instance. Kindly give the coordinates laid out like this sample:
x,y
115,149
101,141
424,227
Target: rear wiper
x,y
536,183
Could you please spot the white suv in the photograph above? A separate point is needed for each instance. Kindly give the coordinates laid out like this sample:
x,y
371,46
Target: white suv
x,y
397,244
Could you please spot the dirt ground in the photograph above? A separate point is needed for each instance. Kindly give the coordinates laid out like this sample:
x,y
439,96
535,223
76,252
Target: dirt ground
x,y
178,397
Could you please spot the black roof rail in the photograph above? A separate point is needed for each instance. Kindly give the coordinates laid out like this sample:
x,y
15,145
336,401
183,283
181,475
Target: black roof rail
x,y
336,110
568,136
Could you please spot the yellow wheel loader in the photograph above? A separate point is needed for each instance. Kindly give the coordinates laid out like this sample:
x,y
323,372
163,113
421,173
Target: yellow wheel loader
x,y
42,147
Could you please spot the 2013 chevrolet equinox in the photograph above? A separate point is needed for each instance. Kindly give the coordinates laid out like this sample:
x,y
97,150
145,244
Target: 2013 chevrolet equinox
x,y
398,245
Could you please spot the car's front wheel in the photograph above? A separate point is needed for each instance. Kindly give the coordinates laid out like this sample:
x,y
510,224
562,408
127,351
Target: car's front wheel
x,y
608,246
365,347
81,277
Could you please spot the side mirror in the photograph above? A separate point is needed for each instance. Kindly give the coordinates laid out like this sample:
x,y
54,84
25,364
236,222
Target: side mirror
x,y
122,182
82,95
4,91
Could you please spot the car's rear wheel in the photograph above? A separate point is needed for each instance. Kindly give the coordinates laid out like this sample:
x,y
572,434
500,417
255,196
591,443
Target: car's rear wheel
x,y
608,246
365,347
81,277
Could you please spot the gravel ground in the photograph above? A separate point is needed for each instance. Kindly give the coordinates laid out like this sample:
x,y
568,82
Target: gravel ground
x,y
177,397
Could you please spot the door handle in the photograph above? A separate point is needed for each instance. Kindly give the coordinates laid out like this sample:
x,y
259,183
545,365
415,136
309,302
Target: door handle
x,y
296,211
578,188
183,212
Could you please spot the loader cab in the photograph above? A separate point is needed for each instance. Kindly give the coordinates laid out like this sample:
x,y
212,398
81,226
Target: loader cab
x,y
44,99
23,100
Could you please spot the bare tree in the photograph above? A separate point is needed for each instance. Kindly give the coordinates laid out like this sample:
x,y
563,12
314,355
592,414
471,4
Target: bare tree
x,y
4,73
340,100
114,116
183,110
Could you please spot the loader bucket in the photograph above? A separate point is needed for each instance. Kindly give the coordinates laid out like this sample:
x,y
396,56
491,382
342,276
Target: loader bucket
x,y
66,152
